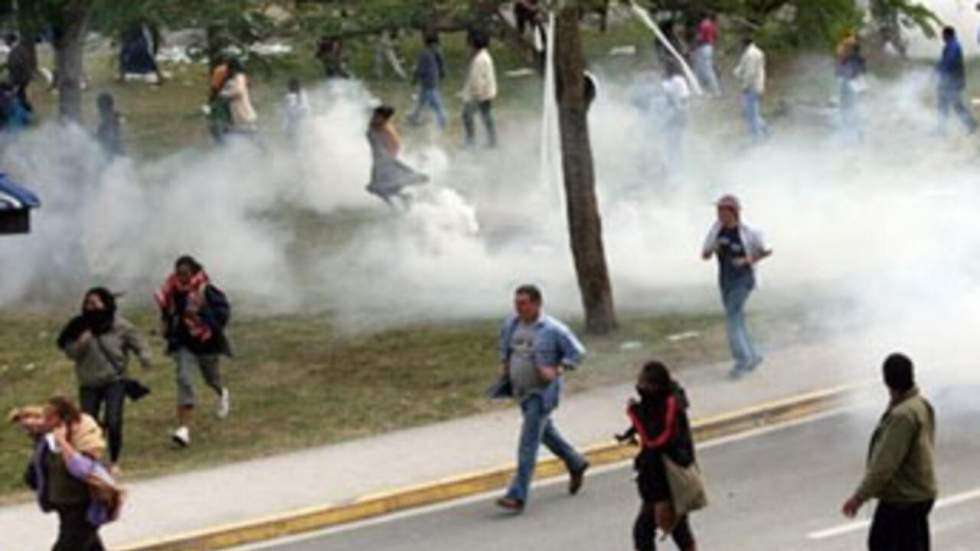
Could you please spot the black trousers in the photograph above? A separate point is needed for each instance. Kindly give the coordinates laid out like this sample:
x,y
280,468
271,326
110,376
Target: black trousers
x,y
900,527
74,532
645,531
113,397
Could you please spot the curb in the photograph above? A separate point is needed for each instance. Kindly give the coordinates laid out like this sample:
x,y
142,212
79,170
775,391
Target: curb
x,y
318,518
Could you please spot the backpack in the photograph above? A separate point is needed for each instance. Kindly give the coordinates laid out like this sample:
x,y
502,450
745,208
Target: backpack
x,y
218,305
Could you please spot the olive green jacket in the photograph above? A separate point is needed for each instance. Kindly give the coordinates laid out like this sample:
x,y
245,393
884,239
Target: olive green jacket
x,y
901,460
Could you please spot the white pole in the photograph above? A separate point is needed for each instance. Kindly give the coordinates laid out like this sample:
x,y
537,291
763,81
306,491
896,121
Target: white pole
x,y
645,18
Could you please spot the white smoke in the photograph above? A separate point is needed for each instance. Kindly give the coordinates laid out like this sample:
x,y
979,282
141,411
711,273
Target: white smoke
x,y
884,228
961,15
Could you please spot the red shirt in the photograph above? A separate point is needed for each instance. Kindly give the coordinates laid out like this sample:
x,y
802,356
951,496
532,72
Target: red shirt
x,y
707,32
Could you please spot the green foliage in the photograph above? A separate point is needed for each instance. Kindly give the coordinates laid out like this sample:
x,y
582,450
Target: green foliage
x,y
907,13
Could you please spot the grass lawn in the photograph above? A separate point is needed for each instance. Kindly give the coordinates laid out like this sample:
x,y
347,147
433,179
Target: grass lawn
x,y
297,384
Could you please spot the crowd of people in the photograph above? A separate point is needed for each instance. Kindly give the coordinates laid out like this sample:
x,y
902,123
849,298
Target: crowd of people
x,y
77,451
78,446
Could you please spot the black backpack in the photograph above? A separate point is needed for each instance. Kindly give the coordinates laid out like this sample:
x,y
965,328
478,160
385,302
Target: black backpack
x,y
218,305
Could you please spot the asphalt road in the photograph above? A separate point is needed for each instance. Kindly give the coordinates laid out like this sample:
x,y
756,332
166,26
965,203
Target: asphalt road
x,y
780,489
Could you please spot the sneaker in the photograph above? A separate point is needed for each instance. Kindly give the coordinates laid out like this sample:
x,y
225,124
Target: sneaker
x,y
754,364
510,504
224,404
577,478
182,437
737,373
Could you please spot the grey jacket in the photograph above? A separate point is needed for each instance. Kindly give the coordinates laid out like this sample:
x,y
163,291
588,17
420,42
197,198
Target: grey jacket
x,y
103,359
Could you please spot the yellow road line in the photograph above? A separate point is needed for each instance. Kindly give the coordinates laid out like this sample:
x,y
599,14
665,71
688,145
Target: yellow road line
x,y
478,482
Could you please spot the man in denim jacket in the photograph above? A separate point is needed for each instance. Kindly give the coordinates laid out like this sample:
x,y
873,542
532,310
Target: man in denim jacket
x,y
535,350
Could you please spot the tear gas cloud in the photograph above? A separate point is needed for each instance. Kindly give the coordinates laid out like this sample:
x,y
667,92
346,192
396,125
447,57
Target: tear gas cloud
x,y
961,15
885,228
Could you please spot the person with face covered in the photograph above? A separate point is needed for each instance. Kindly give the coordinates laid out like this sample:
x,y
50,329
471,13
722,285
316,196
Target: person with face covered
x,y
738,249
193,317
660,421
100,342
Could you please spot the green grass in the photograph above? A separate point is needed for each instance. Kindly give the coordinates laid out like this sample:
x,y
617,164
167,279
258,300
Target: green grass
x,y
295,383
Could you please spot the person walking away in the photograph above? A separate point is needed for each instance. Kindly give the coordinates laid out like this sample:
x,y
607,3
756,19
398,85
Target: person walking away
x,y
109,133
385,52
194,314
137,55
389,176
952,83
330,52
295,110
660,420
535,351
851,72
429,72
67,477
678,95
738,249
100,342
235,91
751,75
480,90
21,68
901,472
219,109
526,15
704,54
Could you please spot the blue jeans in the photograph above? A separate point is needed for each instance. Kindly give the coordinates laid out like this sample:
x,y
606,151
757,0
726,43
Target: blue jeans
x,y
704,66
734,296
850,118
752,111
952,98
538,429
429,97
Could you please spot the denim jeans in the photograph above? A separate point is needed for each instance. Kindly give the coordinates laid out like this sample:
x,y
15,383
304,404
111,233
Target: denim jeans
x,y
752,111
429,97
538,429
676,124
734,296
486,113
704,66
952,98
850,118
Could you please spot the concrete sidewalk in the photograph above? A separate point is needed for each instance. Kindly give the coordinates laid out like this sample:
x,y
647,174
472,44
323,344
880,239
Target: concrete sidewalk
x,y
341,473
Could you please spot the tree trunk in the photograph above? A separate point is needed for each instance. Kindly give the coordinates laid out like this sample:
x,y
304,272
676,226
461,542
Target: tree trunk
x,y
584,223
28,27
69,50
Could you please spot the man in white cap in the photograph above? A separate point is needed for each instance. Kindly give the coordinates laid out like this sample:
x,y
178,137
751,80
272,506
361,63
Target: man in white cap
x,y
738,249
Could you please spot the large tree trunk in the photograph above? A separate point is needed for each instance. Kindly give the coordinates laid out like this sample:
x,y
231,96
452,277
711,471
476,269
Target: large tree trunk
x,y
28,27
69,50
584,223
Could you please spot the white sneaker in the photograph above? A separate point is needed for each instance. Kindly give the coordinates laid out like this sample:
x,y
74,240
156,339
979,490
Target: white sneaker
x,y
224,404
182,437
